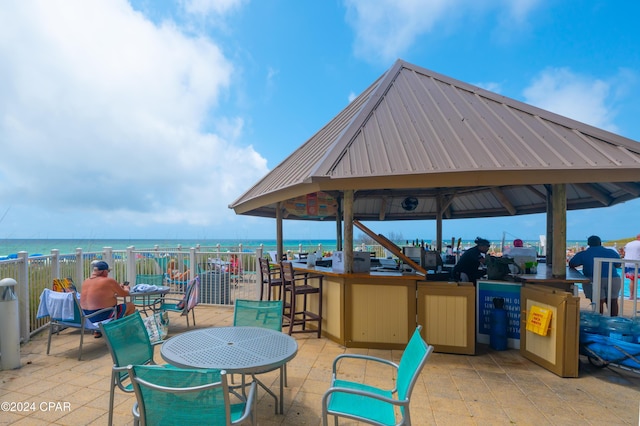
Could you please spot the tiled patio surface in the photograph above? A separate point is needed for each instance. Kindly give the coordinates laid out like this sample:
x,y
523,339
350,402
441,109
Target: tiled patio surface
x,y
490,388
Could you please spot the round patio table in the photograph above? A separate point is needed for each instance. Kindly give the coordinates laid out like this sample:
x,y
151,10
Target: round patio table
x,y
148,299
242,350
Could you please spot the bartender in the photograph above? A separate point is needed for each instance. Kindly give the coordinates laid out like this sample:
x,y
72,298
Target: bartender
x,y
468,267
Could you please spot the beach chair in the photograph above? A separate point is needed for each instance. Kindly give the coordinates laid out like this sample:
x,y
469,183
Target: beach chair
x,y
65,312
177,277
371,404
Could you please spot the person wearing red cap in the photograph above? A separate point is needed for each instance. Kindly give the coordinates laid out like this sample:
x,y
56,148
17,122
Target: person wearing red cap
x,y
632,252
99,291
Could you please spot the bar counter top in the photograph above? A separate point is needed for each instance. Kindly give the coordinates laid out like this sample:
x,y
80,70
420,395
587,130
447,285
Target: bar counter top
x,y
302,267
544,275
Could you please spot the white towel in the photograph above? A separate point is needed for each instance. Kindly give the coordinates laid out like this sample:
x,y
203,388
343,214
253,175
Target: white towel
x,y
143,288
57,305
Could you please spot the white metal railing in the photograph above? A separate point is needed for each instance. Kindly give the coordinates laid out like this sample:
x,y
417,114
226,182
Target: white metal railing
x,y
597,279
35,273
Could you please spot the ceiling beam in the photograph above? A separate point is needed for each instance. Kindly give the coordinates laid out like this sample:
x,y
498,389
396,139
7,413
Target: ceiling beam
x,y
504,200
595,193
383,208
631,187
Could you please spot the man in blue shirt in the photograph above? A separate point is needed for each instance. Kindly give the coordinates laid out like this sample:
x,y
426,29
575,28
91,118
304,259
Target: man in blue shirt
x,y
585,259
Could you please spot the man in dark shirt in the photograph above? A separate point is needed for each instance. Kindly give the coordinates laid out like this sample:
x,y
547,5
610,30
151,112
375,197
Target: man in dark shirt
x,y
468,267
585,259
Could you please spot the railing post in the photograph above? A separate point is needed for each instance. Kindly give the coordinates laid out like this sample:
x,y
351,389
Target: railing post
x,y
131,266
79,278
55,263
107,254
23,295
193,271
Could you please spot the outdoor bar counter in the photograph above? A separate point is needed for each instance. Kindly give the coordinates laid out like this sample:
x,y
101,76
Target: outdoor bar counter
x,y
366,310
380,310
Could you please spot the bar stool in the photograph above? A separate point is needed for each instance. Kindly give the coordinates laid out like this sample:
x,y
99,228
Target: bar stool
x,y
269,280
297,285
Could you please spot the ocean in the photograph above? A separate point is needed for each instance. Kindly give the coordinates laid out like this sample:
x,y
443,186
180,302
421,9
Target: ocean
x,y
66,246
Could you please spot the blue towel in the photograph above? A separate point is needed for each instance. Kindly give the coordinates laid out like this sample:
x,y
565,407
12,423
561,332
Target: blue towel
x,y
57,305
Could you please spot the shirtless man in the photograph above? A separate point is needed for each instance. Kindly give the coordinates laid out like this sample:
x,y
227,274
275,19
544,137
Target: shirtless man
x,y
99,291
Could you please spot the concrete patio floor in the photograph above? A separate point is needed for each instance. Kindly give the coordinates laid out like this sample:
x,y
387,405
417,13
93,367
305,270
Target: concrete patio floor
x,y
490,388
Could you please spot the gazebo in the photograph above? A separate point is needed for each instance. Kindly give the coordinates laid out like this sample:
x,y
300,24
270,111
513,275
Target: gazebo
x,y
420,145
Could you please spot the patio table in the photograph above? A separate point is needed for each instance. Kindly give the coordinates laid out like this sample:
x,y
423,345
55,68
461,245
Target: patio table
x,y
241,350
144,299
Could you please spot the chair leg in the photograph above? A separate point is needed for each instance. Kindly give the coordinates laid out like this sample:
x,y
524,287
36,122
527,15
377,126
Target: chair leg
x,y
81,341
49,341
292,310
111,397
320,309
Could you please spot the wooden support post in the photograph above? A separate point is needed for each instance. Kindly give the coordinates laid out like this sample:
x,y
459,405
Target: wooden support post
x,y
559,199
348,231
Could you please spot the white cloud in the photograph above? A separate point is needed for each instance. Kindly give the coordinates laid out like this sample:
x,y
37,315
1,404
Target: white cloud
x,y
576,96
212,7
386,29
102,111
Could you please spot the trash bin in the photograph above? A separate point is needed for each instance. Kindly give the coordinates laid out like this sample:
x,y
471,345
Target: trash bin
x,y
498,325
10,330
215,288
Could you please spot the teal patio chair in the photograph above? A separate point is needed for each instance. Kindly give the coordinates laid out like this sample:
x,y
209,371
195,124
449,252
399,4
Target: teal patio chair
x,y
265,314
65,312
183,396
129,344
185,304
374,405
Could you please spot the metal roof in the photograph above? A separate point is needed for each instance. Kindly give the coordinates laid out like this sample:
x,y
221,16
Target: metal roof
x,y
416,133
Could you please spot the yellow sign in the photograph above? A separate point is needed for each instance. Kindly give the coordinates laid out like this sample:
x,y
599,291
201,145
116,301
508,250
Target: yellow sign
x,y
538,320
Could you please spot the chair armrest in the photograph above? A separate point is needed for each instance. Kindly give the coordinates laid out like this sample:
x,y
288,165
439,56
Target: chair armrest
x,y
173,299
362,358
364,394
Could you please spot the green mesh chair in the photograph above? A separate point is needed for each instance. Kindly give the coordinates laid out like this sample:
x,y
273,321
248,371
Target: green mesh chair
x,y
187,396
128,344
265,314
373,405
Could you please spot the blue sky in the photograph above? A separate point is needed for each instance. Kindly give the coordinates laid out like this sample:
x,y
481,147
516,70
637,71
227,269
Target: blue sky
x,y
146,119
